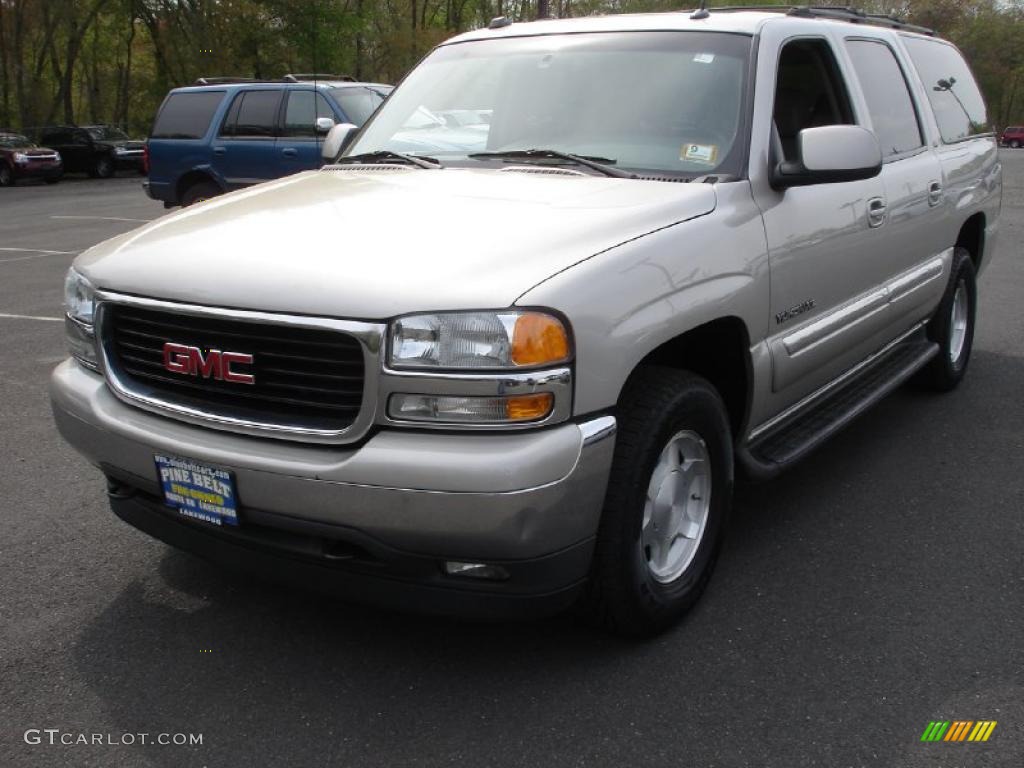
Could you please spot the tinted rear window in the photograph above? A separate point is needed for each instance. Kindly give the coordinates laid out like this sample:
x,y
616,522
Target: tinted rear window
x,y
253,113
186,115
958,105
888,96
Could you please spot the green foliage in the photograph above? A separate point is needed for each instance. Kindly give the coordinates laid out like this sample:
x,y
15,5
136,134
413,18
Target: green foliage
x,y
114,60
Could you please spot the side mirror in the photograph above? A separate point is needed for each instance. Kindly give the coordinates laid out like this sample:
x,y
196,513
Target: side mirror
x,y
830,154
324,124
337,137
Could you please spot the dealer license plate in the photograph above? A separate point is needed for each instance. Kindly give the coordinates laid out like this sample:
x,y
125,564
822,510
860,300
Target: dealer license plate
x,y
198,491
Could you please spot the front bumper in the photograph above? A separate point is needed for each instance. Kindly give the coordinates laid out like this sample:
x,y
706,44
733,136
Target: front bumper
x,y
376,521
33,171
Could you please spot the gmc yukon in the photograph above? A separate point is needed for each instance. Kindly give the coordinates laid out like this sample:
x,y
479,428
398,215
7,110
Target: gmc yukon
x,y
505,353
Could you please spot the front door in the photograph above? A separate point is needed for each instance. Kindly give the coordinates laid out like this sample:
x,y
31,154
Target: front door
x,y
827,242
298,146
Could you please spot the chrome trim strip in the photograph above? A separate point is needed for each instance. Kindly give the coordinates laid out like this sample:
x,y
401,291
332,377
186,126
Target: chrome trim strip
x,y
812,398
369,335
598,429
916,278
557,381
819,330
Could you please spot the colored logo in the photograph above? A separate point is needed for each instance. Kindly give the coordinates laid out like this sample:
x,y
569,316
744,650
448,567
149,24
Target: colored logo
x,y
958,730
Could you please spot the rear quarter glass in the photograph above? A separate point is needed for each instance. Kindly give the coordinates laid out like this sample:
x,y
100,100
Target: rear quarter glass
x,y
952,90
186,115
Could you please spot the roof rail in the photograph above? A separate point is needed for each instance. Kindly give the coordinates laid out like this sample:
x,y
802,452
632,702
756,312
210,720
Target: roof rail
x,y
225,80
289,78
833,12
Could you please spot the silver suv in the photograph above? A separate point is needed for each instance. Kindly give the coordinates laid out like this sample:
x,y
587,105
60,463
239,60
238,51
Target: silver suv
x,y
507,351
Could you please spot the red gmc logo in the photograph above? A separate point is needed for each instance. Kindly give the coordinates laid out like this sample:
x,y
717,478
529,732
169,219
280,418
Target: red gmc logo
x,y
190,361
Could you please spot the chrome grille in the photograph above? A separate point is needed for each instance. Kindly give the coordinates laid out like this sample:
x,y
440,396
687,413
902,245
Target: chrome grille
x,y
309,380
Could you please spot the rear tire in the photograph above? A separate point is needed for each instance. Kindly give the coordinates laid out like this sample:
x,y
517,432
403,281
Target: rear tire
x,y
202,190
952,327
645,576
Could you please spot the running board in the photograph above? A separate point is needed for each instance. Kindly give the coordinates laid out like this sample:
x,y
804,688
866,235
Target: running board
x,y
791,440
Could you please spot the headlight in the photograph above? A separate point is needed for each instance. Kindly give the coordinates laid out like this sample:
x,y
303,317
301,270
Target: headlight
x,y
474,340
57,156
20,157
119,150
79,297
79,306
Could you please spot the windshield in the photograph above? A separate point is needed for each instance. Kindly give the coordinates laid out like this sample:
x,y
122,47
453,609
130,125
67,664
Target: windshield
x,y
106,133
14,141
664,102
358,103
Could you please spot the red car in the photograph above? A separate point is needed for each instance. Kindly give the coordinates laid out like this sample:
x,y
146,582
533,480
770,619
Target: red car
x,y
21,159
1013,136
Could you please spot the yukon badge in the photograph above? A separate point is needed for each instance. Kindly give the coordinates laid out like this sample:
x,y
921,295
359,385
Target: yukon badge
x,y
799,309
190,361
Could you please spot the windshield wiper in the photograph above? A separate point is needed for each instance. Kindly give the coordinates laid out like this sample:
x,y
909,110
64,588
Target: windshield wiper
x,y
388,156
599,164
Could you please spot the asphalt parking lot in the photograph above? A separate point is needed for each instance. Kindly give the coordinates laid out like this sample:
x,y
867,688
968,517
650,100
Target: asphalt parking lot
x,y
877,587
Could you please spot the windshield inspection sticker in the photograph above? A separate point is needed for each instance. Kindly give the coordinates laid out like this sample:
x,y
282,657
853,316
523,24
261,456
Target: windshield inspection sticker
x,y
704,58
705,154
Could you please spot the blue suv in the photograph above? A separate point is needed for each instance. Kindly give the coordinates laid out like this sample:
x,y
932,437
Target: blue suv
x,y
226,133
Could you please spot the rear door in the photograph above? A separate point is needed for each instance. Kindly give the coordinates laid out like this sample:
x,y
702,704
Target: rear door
x,y
244,149
917,208
298,146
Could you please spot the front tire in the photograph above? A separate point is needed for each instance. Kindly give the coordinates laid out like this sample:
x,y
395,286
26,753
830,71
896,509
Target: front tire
x,y
952,327
104,168
6,176
1014,144
668,501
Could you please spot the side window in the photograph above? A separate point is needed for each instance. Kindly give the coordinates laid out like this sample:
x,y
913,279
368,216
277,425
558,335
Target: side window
x,y
304,107
809,92
80,137
253,114
952,91
888,96
186,115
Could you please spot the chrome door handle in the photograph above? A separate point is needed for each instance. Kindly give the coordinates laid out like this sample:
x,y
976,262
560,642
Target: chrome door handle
x,y
876,212
934,194
289,152
219,151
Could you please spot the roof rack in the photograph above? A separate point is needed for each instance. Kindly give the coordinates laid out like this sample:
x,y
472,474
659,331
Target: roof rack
x,y
303,77
835,13
225,80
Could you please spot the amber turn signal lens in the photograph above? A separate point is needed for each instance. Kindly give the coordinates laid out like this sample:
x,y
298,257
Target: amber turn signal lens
x,y
539,339
529,407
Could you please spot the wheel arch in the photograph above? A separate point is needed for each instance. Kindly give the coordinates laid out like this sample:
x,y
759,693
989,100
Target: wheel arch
x,y
719,351
972,237
194,176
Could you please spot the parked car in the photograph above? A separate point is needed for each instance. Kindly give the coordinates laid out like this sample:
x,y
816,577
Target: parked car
x,y
508,380
98,150
22,159
1013,136
221,135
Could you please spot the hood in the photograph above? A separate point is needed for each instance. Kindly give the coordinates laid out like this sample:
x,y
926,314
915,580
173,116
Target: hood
x,y
123,143
375,242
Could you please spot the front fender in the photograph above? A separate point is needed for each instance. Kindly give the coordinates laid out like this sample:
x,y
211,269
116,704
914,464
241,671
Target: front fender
x,y
626,302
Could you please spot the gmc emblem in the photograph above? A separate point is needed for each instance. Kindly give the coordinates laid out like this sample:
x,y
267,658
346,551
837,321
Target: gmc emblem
x,y
190,361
